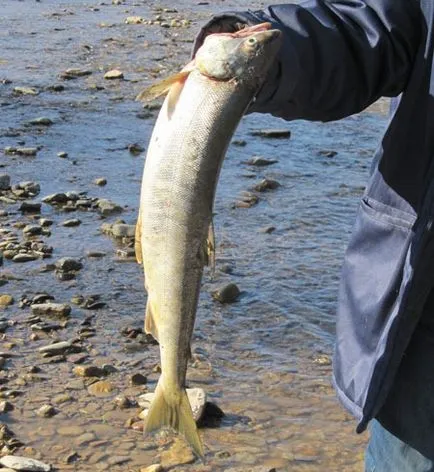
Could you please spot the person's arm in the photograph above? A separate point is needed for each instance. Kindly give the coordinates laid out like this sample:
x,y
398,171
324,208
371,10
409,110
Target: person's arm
x,y
338,56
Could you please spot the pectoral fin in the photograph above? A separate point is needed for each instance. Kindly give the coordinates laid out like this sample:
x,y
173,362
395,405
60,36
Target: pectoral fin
x,y
210,245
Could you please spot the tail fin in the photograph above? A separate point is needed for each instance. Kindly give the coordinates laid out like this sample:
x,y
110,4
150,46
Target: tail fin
x,y
174,410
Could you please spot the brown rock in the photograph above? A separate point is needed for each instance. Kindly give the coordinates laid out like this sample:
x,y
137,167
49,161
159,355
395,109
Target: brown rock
x,y
178,454
101,388
88,371
6,300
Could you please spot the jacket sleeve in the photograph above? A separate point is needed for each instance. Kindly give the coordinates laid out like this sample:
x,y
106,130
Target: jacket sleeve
x,y
338,56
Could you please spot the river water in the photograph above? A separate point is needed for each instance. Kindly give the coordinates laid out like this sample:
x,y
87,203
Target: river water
x,y
264,360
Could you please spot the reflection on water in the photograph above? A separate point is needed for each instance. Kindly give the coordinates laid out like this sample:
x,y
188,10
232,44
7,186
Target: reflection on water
x,y
265,360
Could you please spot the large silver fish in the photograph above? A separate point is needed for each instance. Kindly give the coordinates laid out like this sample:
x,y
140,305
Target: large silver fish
x,y
204,105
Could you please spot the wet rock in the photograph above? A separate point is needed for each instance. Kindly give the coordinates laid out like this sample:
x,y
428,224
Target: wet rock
x,y
123,402
123,230
101,388
327,153
55,198
56,88
107,207
70,74
88,371
46,327
51,309
177,454
32,230
62,398
59,348
109,369
71,457
226,294
247,200
24,463
25,91
138,379
41,298
272,133
196,397
212,416
134,20
118,460
152,468
135,149
259,161
5,182
30,207
127,253
46,411
21,151
85,439
62,154
42,121
101,181
24,257
68,264
78,358
114,74
96,254
5,407
45,222
239,142
6,300
267,184
267,229
71,223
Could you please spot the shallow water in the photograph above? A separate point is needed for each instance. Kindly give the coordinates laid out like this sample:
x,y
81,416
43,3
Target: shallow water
x,y
265,360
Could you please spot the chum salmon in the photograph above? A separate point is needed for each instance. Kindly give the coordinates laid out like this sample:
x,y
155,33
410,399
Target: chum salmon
x,y
203,107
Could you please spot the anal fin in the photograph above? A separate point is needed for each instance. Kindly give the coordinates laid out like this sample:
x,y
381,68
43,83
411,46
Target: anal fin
x,y
150,322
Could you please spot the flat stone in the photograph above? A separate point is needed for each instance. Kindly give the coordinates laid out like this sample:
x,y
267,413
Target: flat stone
x,y
30,207
138,379
32,230
25,91
56,348
74,73
226,294
26,151
267,184
107,207
114,74
24,257
177,454
71,223
24,463
46,411
62,154
42,121
101,181
152,468
96,254
55,198
117,460
6,300
51,309
261,161
123,230
134,20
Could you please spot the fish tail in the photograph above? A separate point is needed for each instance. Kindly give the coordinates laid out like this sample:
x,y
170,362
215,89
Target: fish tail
x,y
173,409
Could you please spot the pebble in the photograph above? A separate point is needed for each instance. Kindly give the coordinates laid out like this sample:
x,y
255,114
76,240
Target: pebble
x,y
177,454
5,407
327,153
56,348
25,91
24,463
71,223
123,230
138,379
69,74
135,149
45,327
134,20
261,161
267,229
6,300
62,154
68,264
32,230
46,411
272,133
100,388
62,398
113,74
96,254
123,402
152,468
89,371
21,151
5,182
51,309
226,294
101,181
44,222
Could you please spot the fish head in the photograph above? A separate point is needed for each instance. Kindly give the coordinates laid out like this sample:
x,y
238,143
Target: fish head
x,y
244,56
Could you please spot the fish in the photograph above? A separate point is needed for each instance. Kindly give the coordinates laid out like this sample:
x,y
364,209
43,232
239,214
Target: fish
x,y
174,234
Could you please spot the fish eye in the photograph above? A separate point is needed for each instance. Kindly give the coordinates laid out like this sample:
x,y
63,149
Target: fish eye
x,y
252,41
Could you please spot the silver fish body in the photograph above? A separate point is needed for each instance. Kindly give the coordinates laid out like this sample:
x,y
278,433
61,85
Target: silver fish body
x,y
183,162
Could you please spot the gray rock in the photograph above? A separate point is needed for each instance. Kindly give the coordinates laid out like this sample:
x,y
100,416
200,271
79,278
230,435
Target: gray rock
x,y
101,181
5,182
96,254
25,91
261,161
24,258
51,309
138,379
55,198
30,207
24,463
42,121
272,133
62,154
71,223
107,207
123,230
5,407
56,348
267,184
113,74
44,222
67,264
32,230
46,411
226,294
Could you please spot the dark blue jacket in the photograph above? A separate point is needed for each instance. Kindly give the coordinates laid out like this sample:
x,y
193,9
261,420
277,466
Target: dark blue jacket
x,y
339,56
